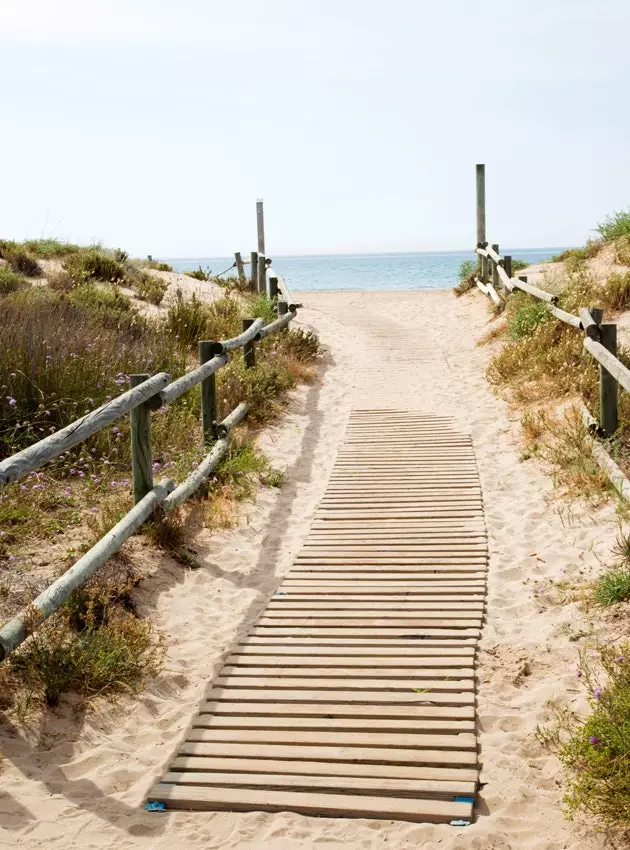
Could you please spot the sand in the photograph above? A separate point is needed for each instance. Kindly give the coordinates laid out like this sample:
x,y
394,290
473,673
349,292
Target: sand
x,y
79,779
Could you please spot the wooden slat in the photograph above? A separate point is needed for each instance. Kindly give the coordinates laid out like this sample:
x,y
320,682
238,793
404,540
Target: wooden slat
x,y
340,784
212,720
332,752
241,799
354,693
321,738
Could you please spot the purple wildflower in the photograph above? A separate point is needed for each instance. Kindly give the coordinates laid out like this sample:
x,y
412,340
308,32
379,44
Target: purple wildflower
x,y
594,740
620,658
11,401
597,693
579,674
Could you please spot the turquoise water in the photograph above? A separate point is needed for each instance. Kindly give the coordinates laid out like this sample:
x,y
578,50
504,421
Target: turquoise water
x,y
368,271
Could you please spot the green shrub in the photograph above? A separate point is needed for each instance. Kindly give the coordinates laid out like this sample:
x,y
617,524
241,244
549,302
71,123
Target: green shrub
x,y
528,317
116,656
47,249
622,251
468,272
157,266
190,320
518,265
616,293
95,264
20,260
260,307
10,281
150,288
597,755
199,274
615,226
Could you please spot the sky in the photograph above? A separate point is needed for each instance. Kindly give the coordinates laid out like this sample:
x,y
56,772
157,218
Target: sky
x,y
154,125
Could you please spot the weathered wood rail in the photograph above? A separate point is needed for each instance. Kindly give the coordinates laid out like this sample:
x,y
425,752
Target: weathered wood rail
x,y
600,339
147,393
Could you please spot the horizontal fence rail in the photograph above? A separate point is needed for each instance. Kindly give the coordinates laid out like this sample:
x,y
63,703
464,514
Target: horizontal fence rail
x,y
600,339
149,393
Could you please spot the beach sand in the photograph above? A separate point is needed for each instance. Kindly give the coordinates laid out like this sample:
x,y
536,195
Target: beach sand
x,y
79,778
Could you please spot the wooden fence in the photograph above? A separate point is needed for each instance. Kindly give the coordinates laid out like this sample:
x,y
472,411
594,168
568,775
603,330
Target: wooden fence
x,y
600,340
146,394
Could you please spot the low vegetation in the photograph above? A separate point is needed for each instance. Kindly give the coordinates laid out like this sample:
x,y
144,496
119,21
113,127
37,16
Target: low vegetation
x,y
467,273
65,349
542,360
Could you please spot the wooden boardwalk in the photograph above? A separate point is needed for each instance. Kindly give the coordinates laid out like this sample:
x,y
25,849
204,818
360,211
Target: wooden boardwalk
x,y
354,693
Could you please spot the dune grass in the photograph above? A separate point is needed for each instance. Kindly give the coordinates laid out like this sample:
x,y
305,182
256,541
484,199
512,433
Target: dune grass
x,y
63,352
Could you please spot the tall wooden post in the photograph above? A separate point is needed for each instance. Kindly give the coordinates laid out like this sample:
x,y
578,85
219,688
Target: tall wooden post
x,y
249,351
239,265
273,288
208,394
608,417
507,265
254,270
141,455
260,222
481,218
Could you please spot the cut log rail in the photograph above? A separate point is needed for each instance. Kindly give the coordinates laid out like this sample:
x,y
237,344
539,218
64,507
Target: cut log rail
x,y
600,340
146,394
354,692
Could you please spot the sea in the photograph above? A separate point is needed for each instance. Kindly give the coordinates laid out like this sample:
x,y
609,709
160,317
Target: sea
x,y
421,270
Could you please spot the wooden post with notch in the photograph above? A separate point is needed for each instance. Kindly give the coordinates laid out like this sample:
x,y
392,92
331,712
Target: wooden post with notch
x,y
249,350
608,415
141,453
495,273
207,350
283,308
239,265
254,272
262,274
481,218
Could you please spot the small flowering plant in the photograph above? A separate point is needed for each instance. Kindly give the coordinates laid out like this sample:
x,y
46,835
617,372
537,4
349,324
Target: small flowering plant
x,y
597,754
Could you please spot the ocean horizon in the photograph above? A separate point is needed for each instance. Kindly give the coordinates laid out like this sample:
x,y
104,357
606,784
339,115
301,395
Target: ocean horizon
x,y
380,271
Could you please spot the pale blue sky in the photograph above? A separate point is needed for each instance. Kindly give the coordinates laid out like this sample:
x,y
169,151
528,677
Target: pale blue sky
x,y
155,124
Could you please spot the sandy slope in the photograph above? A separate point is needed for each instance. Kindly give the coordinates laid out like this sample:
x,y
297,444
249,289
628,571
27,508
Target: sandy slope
x,y
80,782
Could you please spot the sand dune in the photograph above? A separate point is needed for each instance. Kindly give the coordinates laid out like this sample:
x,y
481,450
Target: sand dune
x,y
79,780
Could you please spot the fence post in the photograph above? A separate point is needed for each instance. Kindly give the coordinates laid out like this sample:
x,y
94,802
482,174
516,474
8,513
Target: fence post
x,y
283,308
141,456
207,351
260,223
507,265
495,273
239,265
262,274
249,350
481,217
254,278
607,384
273,288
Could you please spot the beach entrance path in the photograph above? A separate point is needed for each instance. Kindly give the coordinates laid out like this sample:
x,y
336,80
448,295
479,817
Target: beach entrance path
x,y
354,692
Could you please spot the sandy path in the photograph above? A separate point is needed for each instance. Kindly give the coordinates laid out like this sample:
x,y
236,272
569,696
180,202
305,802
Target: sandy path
x,y
80,783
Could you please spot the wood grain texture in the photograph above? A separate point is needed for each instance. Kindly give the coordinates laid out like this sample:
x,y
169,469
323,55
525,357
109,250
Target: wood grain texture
x,y
354,692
